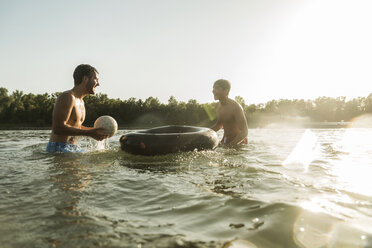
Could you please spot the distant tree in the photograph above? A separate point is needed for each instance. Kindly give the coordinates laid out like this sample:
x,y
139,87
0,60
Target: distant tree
x,y
271,107
240,100
36,109
5,102
354,108
368,104
172,101
16,108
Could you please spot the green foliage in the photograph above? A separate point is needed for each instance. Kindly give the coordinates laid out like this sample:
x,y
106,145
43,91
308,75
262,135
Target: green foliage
x,y
36,110
240,100
29,109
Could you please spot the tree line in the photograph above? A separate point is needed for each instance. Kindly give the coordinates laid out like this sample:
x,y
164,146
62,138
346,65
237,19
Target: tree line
x,y
35,110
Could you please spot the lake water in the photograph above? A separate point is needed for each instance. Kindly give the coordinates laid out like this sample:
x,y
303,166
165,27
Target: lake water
x,y
287,188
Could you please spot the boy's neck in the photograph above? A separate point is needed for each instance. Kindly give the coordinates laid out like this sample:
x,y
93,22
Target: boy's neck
x,y
224,100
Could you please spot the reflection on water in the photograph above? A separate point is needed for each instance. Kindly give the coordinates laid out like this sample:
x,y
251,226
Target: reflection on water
x,y
287,188
303,153
353,169
69,179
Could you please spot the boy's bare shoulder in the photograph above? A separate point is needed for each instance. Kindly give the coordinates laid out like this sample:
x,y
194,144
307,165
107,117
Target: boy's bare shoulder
x,y
67,93
66,96
235,104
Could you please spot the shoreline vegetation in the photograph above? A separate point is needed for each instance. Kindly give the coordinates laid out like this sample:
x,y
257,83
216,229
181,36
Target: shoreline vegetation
x,y
19,111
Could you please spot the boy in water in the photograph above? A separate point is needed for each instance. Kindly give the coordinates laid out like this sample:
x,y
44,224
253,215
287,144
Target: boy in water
x,y
230,116
69,113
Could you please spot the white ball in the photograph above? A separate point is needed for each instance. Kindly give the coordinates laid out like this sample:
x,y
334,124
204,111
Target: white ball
x,y
108,123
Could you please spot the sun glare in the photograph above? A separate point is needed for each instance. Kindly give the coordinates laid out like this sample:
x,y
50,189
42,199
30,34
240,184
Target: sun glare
x,y
353,170
303,153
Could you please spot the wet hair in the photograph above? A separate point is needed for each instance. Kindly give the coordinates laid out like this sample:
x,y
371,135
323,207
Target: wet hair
x,y
223,83
83,70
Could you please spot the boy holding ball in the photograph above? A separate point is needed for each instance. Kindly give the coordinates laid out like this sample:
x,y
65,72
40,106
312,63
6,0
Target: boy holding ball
x,y
69,113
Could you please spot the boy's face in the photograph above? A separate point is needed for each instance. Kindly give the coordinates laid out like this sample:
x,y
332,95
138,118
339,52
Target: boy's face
x,y
218,92
92,84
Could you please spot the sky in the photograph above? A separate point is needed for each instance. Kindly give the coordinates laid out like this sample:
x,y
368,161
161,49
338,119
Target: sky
x,y
267,49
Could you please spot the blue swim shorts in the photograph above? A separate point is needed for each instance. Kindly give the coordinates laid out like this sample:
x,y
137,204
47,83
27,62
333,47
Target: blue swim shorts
x,y
62,147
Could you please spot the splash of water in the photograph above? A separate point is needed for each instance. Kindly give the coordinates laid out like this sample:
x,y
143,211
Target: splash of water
x,y
94,145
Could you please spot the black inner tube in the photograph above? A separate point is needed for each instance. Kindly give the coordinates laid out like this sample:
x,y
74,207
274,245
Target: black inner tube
x,y
169,139
172,130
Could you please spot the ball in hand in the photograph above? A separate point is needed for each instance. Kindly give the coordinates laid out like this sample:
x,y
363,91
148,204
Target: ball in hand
x,y
108,123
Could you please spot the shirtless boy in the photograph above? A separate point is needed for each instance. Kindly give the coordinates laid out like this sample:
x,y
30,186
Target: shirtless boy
x,y
230,116
69,113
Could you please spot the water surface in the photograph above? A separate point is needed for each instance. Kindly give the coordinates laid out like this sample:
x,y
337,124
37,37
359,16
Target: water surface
x,y
287,188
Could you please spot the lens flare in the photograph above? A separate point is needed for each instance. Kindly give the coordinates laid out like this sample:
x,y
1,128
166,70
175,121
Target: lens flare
x,y
303,153
209,109
352,169
362,121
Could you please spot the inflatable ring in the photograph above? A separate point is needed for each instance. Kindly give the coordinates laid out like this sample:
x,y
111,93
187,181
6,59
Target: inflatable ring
x,y
169,139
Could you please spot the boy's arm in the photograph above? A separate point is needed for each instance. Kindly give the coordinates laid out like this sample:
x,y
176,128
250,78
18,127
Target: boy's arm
x,y
217,126
61,114
86,128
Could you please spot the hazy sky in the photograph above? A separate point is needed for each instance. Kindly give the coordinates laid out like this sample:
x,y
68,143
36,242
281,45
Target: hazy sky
x,y
268,49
